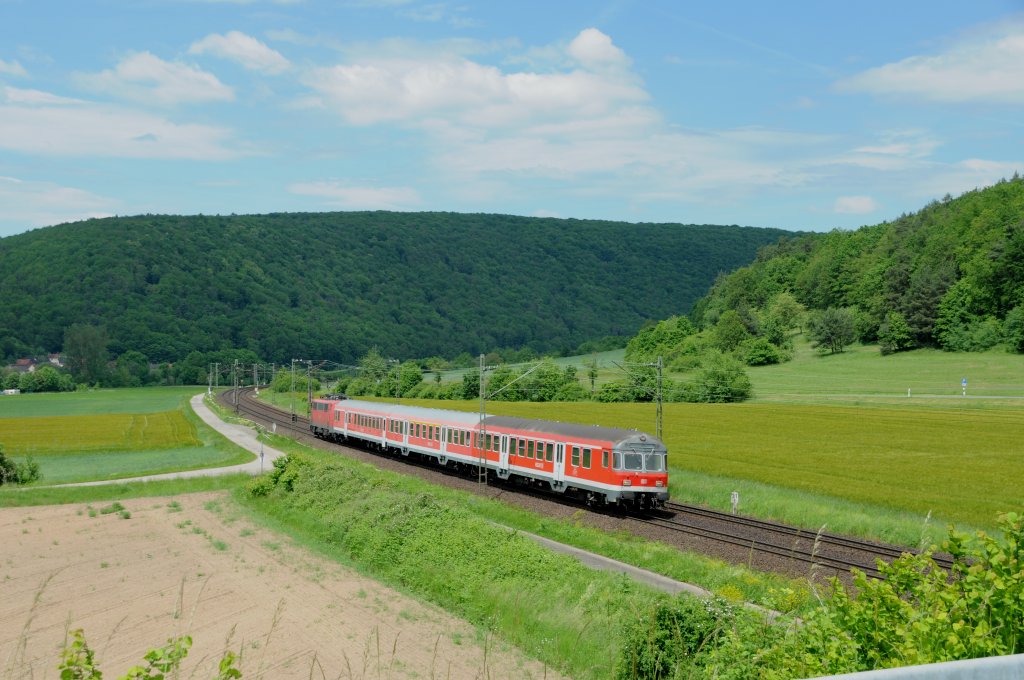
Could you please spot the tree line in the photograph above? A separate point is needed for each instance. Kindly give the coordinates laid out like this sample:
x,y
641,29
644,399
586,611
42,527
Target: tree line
x,y
332,285
949,276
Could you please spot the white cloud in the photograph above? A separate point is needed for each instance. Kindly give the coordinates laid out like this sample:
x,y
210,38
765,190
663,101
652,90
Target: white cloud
x,y
855,205
41,123
30,204
243,49
12,68
594,49
345,195
988,69
16,95
413,90
146,78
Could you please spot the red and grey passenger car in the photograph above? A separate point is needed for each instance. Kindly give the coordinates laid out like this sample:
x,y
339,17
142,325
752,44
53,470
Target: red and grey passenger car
x,y
598,464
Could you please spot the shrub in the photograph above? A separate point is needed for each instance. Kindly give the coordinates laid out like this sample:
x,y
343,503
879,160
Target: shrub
x,y
720,379
260,486
894,334
761,352
661,643
17,473
571,392
1014,328
919,613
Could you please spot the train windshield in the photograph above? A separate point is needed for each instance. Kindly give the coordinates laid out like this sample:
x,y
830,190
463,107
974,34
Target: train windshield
x,y
633,462
636,461
653,462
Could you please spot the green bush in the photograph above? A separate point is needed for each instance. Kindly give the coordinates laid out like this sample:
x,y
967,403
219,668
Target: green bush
x,y
260,486
17,473
918,614
761,352
667,640
1014,328
720,379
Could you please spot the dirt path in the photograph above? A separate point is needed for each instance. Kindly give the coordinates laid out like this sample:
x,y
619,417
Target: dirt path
x,y
192,564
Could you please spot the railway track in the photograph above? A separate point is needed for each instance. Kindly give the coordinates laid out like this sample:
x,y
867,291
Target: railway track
x,y
828,552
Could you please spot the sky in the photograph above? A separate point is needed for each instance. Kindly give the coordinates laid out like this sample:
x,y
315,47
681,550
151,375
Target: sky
x,y
802,115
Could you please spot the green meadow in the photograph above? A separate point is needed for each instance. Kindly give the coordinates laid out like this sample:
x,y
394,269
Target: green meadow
x,y
94,402
861,372
835,440
111,434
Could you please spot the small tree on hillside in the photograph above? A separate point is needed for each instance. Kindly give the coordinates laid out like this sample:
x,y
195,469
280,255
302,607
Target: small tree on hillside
x,y
831,329
720,378
894,334
730,331
1014,327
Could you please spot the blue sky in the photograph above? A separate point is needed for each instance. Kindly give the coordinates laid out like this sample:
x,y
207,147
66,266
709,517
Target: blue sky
x,y
800,115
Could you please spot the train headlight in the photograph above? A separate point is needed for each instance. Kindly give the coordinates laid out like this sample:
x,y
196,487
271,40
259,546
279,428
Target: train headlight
x,y
659,483
627,482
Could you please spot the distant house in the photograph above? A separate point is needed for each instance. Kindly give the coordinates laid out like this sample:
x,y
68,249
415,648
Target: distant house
x,y
26,365
56,360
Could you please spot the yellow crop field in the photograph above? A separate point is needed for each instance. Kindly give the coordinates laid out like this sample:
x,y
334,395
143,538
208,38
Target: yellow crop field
x,y
46,435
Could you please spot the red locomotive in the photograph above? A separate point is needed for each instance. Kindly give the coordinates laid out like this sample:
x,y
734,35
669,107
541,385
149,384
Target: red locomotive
x,y
598,464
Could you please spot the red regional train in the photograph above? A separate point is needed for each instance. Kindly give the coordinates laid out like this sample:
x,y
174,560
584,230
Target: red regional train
x,y
597,464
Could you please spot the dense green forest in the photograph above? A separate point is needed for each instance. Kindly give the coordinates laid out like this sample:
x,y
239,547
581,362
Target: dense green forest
x,y
949,276
332,285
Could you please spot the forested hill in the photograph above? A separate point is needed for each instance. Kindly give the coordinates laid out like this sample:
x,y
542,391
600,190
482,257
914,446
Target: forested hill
x,y
951,275
330,285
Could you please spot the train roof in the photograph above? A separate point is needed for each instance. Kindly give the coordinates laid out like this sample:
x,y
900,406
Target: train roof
x,y
470,418
413,412
612,434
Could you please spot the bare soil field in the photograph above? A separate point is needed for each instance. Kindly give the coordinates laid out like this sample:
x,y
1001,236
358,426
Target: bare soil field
x,y
191,565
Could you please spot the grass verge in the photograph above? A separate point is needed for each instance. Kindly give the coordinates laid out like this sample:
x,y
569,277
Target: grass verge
x,y
733,582
11,497
548,605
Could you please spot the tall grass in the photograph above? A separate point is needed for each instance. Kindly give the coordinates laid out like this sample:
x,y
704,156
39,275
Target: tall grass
x,y
547,604
711,574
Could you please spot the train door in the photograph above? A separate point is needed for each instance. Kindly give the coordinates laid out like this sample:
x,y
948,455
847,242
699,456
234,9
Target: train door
x,y
559,463
503,454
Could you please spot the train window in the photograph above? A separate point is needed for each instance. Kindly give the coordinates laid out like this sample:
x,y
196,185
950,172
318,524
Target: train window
x,y
586,458
652,462
604,459
513,447
522,448
487,442
437,434
529,449
575,456
549,455
496,444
